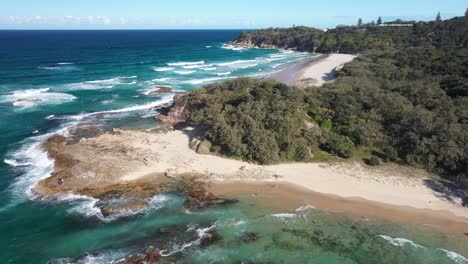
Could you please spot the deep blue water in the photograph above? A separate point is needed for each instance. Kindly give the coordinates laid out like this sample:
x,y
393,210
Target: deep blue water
x,y
51,81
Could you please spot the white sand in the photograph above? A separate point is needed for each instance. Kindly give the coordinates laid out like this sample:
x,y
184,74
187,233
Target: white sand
x,y
390,184
316,73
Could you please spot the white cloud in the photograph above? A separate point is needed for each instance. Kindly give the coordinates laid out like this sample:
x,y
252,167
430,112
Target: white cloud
x,y
55,21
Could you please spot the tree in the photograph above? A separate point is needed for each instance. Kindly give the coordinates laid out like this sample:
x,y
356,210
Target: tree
x,y
359,23
466,12
438,18
379,21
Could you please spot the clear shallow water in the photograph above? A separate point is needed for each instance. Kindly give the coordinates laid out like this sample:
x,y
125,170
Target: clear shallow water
x,y
53,80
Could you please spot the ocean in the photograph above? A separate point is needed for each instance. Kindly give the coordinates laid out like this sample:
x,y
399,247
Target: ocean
x,y
53,80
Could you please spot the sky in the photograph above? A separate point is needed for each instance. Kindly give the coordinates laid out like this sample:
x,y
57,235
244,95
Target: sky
x,y
214,14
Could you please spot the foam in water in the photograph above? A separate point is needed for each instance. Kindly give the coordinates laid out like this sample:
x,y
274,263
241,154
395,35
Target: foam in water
x,y
102,84
163,69
223,73
184,72
202,233
86,206
198,66
306,207
34,97
203,81
284,215
61,66
457,258
400,242
231,47
101,258
161,79
15,163
186,63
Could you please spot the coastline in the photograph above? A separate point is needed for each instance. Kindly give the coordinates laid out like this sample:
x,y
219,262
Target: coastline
x,y
290,74
288,197
315,71
130,160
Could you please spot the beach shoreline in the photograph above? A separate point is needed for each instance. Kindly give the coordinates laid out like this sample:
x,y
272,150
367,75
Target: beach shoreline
x,y
314,71
285,197
130,160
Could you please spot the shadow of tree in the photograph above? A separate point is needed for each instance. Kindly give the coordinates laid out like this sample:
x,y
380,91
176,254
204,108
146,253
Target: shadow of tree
x,y
330,76
448,190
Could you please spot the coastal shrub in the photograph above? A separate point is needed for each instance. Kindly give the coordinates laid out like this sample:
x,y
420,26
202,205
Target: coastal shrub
x,y
373,161
340,145
256,120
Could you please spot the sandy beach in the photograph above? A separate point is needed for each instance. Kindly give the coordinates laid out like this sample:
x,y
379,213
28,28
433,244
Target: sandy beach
x,y
127,156
313,72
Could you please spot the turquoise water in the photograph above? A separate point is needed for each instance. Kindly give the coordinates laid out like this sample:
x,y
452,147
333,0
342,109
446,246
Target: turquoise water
x,y
51,81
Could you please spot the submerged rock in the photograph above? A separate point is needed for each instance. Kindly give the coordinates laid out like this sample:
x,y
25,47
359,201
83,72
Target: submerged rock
x,y
209,239
249,237
198,197
151,256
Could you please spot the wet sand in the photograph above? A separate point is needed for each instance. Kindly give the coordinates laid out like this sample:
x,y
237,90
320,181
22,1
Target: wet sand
x,y
286,197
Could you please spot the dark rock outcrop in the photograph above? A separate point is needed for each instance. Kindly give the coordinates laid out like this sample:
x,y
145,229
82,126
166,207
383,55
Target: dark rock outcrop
x,y
175,114
160,90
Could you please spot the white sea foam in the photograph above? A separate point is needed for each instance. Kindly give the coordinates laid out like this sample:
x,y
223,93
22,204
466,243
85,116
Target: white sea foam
x,y
209,69
223,73
306,207
186,63
161,79
102,84
202,233
64,66
86,206
284,215
15,163
198,66
98,258
163,69
184,72
165,99
208,47
203,81
400,242
40,166
236,62
231,47
457,258
33,97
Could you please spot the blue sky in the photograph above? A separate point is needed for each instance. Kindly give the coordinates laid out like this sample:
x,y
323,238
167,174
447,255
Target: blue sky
x,y
206,14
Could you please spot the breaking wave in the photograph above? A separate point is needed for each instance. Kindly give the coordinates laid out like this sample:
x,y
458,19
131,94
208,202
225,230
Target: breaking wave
x,y
33,97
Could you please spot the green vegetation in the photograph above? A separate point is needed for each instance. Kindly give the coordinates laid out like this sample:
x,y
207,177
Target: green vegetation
x,y
353,39
298,38
261,121
404,99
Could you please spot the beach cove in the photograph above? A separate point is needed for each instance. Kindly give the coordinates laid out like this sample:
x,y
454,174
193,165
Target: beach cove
x,y
138,189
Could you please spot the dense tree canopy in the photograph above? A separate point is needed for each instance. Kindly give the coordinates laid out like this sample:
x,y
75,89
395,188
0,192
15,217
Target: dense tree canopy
x,y
405,98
